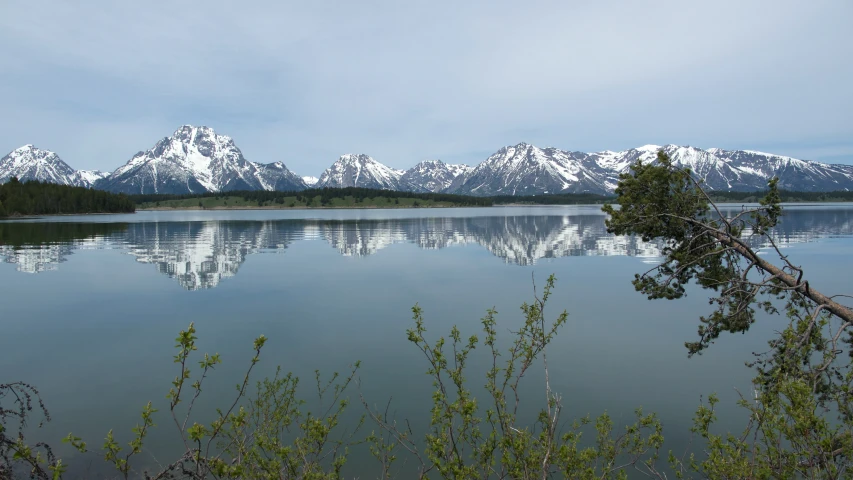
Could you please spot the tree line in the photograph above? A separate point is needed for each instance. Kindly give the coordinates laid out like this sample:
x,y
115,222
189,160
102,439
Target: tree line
x,y
43,198
325,195
786,196
554,199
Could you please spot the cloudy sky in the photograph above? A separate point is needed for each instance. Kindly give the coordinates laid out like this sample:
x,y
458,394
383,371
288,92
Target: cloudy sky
x,y
403,81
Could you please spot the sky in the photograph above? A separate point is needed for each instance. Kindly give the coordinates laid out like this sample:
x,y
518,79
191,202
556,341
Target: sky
x,y
405,81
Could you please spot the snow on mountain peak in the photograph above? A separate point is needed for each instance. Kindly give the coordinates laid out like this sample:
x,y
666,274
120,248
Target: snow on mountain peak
x,y
431,163
459,168
434,176
195,130
649,148
30,151
776,157
89,177
194,155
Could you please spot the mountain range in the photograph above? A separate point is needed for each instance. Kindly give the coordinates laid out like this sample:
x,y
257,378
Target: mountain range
x,y
197,159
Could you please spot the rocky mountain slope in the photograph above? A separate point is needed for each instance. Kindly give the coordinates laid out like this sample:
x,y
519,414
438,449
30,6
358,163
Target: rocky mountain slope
x,y
360,170
434,175
31,163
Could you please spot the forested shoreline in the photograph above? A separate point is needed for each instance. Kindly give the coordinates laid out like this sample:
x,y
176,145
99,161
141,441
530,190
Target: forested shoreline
x,y
786,196
355,196
43,198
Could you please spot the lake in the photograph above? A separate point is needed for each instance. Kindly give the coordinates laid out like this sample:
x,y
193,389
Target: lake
x,y
91,306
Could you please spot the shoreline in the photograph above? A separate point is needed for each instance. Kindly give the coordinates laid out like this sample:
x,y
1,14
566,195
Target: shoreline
x,y
371,207
247,207
376,207
25,217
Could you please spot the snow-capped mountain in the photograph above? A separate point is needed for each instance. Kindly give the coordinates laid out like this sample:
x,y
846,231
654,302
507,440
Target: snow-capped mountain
x,y
717,172
31,163
528,170
740,170
793,174
353,170
196,160
435,175
310,181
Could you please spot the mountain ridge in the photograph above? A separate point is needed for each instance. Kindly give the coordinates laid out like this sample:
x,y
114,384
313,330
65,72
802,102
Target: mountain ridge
x,y
29,162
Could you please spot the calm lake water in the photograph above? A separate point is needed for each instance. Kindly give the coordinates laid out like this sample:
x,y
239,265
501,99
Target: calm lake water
x,y
91,306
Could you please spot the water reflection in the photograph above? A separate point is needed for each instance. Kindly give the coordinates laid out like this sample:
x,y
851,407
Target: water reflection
x,y
201,254
37,247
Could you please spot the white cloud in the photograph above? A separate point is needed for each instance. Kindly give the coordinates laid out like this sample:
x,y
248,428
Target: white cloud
x,y
304,82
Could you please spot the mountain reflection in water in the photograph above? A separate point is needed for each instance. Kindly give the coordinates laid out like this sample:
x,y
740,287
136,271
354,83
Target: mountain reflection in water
x,y
200,254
